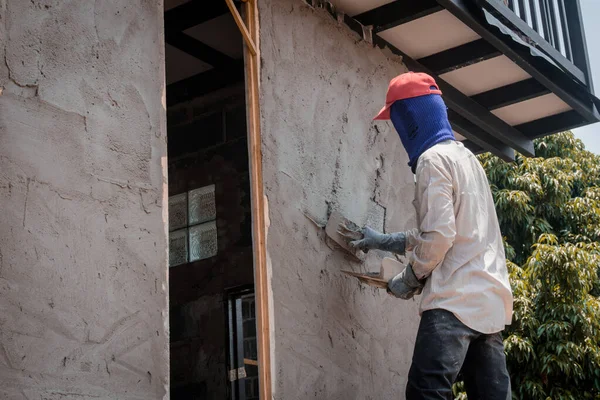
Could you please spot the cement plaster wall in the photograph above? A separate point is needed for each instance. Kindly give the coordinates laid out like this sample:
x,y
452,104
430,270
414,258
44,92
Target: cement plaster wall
x,y
320,87
83,250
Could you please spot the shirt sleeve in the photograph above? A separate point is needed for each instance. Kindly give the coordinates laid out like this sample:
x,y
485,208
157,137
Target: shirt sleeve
x,y
412,237
435,210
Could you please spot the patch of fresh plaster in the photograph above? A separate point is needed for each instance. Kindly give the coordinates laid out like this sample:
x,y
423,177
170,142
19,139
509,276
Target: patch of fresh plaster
x,y
320,89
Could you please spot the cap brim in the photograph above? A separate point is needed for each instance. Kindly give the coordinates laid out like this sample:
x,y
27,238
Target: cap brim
x,y
384,114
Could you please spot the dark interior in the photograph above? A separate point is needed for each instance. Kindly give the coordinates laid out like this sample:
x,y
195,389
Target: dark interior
x,y
212,314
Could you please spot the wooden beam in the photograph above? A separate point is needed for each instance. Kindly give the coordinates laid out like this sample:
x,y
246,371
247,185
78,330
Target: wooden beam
x,y
397,13
248,361
553,124
460,57
258,204
551,77
197,49
204,82
192,13
241,26
511,94
542,127
512,20
473,147
479,137
456,100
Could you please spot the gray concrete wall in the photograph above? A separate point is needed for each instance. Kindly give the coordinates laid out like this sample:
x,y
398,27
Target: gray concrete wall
x,y
83,251
320,88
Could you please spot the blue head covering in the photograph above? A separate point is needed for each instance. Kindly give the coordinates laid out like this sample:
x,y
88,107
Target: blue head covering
x,y
421,123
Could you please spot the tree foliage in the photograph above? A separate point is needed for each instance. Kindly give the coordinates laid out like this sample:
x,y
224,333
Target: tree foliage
x,y
549,213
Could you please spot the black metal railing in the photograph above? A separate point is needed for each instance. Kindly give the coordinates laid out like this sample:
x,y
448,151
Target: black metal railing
x,y
556,21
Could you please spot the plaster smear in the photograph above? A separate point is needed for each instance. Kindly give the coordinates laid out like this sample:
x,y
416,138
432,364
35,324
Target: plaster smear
x,y
83,284
320,88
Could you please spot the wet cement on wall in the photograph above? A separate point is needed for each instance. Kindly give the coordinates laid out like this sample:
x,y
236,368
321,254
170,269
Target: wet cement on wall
x,y
83,250
320,87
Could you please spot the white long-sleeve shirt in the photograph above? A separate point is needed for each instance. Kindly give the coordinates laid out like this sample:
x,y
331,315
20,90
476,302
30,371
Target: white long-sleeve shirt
x,y
458,244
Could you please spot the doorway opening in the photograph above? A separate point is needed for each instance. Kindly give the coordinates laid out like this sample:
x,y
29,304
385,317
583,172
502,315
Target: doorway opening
x,y
213,335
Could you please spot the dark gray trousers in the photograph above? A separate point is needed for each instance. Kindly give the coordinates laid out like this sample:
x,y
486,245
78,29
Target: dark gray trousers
x,y
446,347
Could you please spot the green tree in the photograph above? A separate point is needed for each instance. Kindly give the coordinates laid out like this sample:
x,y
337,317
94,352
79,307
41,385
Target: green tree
x,y
549,213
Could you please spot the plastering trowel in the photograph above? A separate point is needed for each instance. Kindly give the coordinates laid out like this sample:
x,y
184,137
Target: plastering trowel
x,y
389,266
333,225
389,269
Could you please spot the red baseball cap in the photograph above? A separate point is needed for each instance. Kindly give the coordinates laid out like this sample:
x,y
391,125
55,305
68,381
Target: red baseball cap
x,y
406,86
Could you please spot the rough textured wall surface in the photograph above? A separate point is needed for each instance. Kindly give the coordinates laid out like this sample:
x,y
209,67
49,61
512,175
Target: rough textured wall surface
x,y
83,250
320,88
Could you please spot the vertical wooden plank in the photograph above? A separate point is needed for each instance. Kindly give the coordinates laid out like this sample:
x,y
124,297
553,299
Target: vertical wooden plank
x,y
262,288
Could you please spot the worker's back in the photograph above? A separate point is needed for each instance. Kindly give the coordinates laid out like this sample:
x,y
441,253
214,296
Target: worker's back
x,y
472,280
457,252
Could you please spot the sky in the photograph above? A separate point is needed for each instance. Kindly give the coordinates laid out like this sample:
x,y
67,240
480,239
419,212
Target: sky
x,y
591,12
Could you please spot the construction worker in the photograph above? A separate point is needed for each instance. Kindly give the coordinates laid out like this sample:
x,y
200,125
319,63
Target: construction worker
x,y
457,258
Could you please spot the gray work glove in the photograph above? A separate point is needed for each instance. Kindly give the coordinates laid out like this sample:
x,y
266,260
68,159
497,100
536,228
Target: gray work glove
x,y
392,242
405,285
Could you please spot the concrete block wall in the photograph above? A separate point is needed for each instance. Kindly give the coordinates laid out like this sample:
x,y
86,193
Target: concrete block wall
x,y
83,221
320,88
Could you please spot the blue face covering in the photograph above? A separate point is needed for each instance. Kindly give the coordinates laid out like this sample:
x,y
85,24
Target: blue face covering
x,y
421,123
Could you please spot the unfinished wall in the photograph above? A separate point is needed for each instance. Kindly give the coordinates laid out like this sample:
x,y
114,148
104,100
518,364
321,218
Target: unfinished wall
x,y
83,250
320,88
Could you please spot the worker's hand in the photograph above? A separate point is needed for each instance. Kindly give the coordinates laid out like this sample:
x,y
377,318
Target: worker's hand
x,y
405,285
371,239
349,233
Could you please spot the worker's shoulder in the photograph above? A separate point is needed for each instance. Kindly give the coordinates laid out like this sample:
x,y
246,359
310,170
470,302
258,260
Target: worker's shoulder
x,y
447,151
446,156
